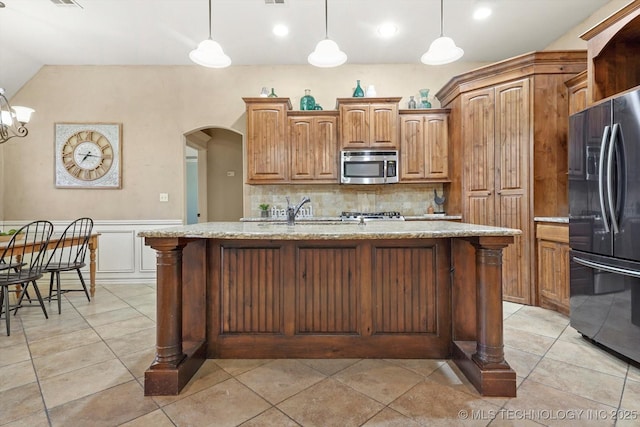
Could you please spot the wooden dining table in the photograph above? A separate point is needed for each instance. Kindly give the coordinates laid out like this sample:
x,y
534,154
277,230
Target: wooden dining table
x,y
53,241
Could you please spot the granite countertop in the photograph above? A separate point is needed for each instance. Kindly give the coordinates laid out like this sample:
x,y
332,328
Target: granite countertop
x,y
558,219
425,217
330,230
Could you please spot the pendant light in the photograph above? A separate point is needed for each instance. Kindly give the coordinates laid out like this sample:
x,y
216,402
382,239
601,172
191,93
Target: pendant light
x,y
327,53
209,52
12,119
443,50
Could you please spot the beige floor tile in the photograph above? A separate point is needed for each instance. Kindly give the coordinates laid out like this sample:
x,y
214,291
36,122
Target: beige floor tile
x,y
390,418
54,326
507,419
110,407
156,418
207,376
38,419
17,336
17,374
228,403
510,307
126,291
107,317
132,343
447,406
74,385
72,360
106,304
521,361
553,407
633,373
144,299
450,376
424,367
583,382
13,354
587,355
63,342
535,325
137,363
19,402
125,327
379,379
329,366
148,310
279,379
544,314
527,341
330,403
270,418
631,397
236,367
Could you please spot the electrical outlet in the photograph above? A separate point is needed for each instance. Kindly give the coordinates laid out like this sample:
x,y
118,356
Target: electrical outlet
x,y
164,197
231,173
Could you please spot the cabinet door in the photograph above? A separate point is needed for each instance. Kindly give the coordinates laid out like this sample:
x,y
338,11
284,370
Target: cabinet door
x,y
326,148
383,125
412,147
301,148
354,127
266,143
512,141
436,146
478,156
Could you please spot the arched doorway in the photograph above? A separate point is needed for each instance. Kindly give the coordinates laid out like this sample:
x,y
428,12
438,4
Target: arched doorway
x,y
214,175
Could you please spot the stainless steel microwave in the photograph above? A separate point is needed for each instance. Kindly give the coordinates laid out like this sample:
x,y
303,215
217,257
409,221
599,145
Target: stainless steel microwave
x,y
369,167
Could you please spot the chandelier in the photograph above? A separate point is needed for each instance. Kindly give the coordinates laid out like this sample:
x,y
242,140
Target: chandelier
x,y
12,119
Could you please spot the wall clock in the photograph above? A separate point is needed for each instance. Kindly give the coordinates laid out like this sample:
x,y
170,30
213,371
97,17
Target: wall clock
x,y
88,155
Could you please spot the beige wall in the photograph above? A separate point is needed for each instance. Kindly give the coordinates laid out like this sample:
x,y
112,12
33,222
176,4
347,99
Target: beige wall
x,y
224,193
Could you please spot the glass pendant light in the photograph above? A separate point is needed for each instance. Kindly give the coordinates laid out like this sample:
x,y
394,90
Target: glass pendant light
x,y
327,53
209,52
443,50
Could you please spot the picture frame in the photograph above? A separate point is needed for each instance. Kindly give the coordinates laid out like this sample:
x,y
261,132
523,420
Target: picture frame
x,y
88,155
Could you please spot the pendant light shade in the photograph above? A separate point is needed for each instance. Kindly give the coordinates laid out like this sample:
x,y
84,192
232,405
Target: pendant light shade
x,y
442,50
209,53
327,53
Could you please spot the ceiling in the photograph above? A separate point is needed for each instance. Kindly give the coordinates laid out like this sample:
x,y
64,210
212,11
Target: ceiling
x,y
38,32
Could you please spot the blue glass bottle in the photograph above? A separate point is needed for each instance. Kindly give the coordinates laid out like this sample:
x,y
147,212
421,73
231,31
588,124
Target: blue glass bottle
x,y
358,92
307,102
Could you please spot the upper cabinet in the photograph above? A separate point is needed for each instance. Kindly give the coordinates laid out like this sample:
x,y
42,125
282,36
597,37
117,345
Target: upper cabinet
x,y
424,145
577,91
613,60
313,146
267,154
368,122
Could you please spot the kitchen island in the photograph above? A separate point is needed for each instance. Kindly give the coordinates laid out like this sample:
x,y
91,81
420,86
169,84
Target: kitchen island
x,y
382,289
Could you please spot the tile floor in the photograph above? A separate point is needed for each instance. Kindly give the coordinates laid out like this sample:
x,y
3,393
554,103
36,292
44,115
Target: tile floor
x,y
86,368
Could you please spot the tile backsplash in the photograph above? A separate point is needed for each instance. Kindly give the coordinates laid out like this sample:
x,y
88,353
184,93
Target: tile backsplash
x,y
330,200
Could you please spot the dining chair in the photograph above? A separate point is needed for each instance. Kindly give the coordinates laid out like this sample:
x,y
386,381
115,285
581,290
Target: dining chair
x,y
68,255
22,264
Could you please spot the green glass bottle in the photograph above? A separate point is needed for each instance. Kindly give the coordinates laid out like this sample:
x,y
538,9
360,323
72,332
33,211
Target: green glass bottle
x,y
307,102
358,92
272,94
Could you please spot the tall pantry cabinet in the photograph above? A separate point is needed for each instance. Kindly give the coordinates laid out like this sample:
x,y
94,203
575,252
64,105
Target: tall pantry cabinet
x,y
508,141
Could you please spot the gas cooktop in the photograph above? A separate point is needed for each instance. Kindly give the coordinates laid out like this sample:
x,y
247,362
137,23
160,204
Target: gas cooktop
x,y
345,216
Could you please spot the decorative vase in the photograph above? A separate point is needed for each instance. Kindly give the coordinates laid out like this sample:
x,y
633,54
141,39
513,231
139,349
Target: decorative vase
x,y
307,102
272,94
424,98
317,107
264,92
412,103
358,92
371,91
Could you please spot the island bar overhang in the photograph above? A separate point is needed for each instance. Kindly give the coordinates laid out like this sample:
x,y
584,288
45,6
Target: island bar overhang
x,y
240,290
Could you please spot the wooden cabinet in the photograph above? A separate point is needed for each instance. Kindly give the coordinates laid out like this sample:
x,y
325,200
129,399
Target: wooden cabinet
x,y
613,60
313,146
368,122
424,146
509,142
267,154
577,92
553,266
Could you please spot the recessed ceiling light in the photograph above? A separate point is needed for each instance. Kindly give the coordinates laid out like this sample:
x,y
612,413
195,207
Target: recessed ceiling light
x,y
481,12
387,30
280,30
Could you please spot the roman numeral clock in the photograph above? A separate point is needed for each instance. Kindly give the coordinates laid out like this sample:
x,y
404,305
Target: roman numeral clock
x,y
88,155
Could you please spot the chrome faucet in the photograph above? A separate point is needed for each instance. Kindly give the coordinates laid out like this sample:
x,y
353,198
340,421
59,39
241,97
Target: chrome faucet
x,y
292,211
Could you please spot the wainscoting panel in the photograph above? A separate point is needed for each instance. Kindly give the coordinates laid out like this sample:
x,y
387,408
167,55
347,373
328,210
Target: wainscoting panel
x,y
122,256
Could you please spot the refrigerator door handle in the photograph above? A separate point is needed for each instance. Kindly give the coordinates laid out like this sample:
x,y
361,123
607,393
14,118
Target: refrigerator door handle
x,y
603,149
610,192
607,268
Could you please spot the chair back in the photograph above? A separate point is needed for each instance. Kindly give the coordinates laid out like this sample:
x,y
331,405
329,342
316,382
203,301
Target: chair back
x,y
71,249
25,252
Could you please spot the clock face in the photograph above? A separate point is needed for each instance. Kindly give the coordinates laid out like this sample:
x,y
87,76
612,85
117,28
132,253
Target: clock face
x,y
88,156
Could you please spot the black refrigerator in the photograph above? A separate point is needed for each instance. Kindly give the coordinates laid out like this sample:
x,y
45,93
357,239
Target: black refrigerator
x,y
604,223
